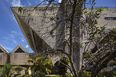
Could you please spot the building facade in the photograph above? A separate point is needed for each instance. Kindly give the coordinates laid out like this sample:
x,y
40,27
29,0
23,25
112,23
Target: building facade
x,y
36,27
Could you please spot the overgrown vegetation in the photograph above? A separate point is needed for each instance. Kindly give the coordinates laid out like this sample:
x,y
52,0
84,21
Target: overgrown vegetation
x,y
6,70
40,66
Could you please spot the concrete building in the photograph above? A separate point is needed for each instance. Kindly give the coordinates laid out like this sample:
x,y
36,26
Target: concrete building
x,y
18,56
4,55
36,27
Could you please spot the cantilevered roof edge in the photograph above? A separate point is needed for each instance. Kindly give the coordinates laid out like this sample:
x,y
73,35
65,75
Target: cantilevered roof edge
x,y
27,31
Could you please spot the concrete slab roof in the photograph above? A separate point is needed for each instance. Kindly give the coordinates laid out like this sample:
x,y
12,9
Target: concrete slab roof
x,y
3,49
19,46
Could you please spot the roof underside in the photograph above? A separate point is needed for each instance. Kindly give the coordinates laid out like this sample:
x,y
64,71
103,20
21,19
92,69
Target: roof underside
x,y
33,39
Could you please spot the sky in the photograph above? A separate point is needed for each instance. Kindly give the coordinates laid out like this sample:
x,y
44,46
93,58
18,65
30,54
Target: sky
x,y
10,32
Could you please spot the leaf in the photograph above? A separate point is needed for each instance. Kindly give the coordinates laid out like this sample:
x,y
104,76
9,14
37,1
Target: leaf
x,y
29,14
51,66
38,59
74,28
48,71
29,60
113,29
51,19
100,9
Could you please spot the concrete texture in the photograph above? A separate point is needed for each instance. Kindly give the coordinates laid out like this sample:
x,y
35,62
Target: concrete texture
x,y
19,56
36,28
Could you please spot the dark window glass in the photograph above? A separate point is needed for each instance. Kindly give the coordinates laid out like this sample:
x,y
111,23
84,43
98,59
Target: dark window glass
x,y
1,51
110,18
19,50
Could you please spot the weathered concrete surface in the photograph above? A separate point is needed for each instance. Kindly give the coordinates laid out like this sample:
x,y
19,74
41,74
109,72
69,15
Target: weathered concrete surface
x,y
108,12
38,25
3,58
3,55
53,56
19,56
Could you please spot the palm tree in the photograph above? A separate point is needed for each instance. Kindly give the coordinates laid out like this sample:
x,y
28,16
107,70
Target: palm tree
x,y
40,65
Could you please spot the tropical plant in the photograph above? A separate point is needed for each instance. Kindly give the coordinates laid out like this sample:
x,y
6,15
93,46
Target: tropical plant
x,y
107,74
6,70
18,69
40,66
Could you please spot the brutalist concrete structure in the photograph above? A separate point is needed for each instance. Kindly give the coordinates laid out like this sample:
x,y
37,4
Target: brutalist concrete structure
x,y
34,27
3,55
37,26
17,57
20,55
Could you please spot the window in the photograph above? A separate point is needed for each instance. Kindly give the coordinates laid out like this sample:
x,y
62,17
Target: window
x,y
19,50
1,51
110,18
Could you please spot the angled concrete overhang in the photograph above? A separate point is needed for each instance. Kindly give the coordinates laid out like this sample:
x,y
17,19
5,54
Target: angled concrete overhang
x,y
33,39
3,49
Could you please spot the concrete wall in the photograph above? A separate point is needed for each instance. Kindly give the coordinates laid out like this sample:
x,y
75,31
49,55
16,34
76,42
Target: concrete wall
x,y
18,58
53,56
21,58
3,58
108,12
39,22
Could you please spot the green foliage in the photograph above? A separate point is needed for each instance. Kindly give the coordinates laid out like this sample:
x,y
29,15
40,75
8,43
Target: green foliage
x,y
22,76
69,75
18,69
89,24
100,9
87,54
107,74
5,70
62,66
101,74
56,76
85,73
51,19
113,29
21,9
40,66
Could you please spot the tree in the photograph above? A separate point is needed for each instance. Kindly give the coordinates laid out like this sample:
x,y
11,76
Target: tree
x,y
73,18
69,17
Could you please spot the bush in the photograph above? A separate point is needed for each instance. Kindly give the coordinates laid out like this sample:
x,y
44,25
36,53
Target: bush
x,y
107,74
